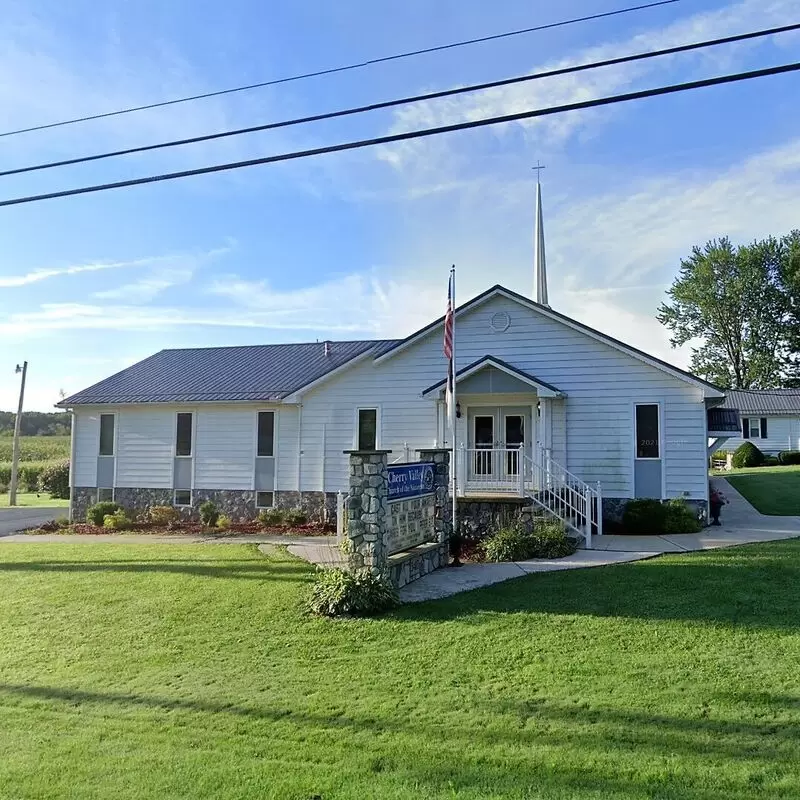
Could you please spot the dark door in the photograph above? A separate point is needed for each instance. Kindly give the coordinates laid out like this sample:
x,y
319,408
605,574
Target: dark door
x,y
484,440
514,440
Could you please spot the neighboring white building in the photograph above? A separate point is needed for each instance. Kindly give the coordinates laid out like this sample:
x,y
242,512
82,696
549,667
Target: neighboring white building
x,y
770,419
255,426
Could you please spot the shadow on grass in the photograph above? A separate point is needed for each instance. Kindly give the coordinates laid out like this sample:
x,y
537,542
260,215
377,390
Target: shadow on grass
x,y
597,736
754,585
244,569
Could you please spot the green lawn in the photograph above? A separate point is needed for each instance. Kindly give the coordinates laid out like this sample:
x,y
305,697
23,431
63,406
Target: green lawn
x,y
772,490
187,671
32,499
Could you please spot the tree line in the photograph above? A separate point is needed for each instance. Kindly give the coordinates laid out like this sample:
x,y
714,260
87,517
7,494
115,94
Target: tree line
x,y
37,423
739,308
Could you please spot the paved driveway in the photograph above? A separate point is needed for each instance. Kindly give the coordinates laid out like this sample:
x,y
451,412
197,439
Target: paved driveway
x,y
17,519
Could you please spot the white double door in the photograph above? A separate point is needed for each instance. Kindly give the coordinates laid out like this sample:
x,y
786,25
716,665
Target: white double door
x,y
498,437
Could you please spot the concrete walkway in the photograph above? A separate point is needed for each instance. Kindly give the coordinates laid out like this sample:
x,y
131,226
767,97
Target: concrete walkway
x,y
20,518
741,524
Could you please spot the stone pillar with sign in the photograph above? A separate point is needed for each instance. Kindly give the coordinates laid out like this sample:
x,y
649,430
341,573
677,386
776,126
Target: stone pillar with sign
x,y
398,516
367,509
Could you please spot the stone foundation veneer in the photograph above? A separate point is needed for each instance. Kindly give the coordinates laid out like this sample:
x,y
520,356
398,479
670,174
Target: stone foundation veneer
x,y
238,504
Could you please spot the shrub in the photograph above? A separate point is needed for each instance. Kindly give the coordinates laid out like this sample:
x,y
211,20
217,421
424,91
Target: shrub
x,y
508,544
209,514
118,521
789,457
747,455
296,516
357,593
516,543
680,518
224,522
550,541
97,513
163,516
62,522
770,461
54,479
272,517
644,516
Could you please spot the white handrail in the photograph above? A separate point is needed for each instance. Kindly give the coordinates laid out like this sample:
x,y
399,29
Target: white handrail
x,y
565,496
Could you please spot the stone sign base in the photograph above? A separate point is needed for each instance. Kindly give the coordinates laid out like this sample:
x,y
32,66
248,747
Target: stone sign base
x,y
409,565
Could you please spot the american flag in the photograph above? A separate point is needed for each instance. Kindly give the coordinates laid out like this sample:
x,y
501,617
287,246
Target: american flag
x,y
449,334
448,322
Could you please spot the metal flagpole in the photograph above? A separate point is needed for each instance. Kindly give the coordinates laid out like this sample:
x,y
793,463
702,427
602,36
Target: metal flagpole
x,y
454,465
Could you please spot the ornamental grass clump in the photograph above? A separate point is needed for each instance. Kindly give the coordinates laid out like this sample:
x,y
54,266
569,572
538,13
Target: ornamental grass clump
x,y
351,593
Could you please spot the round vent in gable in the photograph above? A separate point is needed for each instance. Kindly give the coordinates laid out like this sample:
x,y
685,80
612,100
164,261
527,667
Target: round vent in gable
x,y
500,322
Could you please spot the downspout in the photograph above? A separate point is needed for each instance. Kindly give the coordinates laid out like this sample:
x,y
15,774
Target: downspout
x,y
299,449
72,466
324,452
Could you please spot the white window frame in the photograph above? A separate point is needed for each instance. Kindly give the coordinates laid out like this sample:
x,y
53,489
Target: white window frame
x,y
192,442
182,505
113,452
378,415
659,417
111,489
266,491
274,430
757,420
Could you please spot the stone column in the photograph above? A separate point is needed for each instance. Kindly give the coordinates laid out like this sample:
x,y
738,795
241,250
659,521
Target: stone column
x,y
443,515
368,508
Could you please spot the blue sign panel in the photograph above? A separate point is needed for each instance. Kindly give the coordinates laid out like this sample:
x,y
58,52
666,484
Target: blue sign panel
x,y
410,480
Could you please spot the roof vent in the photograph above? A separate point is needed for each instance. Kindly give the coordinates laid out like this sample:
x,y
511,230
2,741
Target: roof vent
x,y
327,346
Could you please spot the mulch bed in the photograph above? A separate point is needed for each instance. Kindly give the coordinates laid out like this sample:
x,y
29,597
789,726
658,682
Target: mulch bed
x,y
253,528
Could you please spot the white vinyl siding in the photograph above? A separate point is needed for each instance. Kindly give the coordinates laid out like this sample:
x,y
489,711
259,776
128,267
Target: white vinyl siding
x,y
286,447
145,448
783,433
601,382
225,448
86,433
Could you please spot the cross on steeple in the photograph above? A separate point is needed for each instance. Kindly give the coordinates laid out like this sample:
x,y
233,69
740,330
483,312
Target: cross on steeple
x,y
538,170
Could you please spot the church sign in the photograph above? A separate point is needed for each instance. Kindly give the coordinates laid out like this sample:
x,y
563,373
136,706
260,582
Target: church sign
x,y
406,481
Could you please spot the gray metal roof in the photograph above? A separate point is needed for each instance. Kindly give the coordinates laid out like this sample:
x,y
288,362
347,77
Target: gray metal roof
x,y
214,374
763,402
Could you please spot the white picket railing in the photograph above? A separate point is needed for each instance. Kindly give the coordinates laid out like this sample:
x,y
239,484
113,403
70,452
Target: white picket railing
x,y
510,471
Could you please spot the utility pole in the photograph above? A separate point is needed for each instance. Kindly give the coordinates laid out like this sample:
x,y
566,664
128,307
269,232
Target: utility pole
x,y
12,494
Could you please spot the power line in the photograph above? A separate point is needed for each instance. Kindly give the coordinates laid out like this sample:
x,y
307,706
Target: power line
x,y
418,134
407,100
346,68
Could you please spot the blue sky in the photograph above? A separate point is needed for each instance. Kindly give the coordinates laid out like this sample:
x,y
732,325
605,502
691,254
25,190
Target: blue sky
x,y
358,245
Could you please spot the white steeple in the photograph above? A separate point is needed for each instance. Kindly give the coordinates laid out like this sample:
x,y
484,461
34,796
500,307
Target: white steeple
x,y
539,260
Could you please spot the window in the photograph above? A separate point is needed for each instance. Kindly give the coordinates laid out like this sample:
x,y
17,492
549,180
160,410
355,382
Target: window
x,y
265,499
367,429
648,441
106,434
183,497
754,428
105,495
183,435
266,433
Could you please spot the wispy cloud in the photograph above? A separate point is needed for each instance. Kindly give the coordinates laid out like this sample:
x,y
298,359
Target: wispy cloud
x,y
37,275
174,270
147,288
437,155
